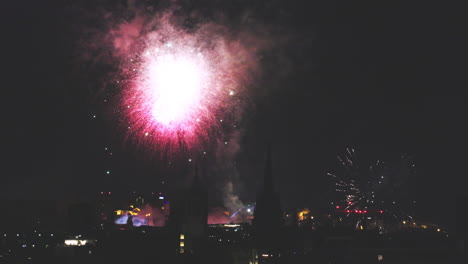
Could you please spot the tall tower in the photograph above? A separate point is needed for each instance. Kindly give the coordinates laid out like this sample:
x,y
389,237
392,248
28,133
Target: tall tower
x,y
196,208
268,216
190,217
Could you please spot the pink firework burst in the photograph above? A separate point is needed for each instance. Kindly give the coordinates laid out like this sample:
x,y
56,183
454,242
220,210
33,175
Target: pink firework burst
x,y
181,85
172,91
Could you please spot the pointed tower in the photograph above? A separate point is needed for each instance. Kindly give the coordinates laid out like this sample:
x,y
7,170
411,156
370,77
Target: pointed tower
x,y
268,216
197,208
189,216
268,182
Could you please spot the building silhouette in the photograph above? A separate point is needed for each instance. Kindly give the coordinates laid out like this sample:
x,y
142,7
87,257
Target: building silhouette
x,y
268,217
461,229
189,217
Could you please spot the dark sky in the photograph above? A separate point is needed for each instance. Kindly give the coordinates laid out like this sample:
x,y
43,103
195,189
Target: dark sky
x,y
384,78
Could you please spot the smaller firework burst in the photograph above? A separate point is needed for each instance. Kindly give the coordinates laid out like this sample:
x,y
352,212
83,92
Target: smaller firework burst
x,y
379,188
359,187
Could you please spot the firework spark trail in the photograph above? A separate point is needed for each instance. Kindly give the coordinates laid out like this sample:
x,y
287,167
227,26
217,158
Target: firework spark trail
x,y
359,186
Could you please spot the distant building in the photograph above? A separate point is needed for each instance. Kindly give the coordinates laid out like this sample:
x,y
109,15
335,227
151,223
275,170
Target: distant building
x,y
21,215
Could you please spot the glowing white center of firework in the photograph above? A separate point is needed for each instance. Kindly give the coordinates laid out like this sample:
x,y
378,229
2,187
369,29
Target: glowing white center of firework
x,y
175,85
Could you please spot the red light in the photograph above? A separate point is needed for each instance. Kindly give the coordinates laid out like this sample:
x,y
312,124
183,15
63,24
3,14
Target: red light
x,y
381,211
365,211
350,203
337,207
102,192
109,192
348,211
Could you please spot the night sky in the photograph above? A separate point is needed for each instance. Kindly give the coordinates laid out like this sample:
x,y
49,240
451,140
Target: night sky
x,y
383,78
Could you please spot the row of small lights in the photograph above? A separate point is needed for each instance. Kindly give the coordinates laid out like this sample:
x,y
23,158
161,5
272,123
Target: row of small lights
x,y
19,235
358,211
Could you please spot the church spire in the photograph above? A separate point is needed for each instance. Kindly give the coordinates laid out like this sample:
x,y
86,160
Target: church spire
x,y
268,216
268,182
196,182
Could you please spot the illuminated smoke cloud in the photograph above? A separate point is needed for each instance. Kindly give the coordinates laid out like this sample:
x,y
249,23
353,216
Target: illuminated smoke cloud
x,y
218,215
125,35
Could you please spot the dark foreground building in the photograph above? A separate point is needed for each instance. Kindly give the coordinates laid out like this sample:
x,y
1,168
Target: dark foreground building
x,y
189,218
462,227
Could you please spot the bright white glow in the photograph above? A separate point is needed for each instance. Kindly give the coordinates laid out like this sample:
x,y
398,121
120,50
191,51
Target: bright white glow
x,y
231,225
75,242
176,83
